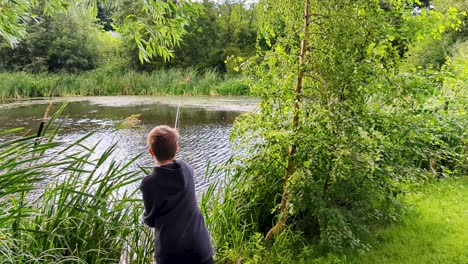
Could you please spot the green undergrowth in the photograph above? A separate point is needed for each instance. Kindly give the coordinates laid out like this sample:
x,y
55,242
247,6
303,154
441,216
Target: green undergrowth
x,y
433,230
102,82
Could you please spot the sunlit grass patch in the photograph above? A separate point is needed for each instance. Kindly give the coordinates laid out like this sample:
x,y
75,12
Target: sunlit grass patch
x,y
435,231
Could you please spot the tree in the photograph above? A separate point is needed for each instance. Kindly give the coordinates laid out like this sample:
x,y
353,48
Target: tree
x,y
70,42
15,16
335,137
104,14
155,26
239,25
290,167
201,46
220,30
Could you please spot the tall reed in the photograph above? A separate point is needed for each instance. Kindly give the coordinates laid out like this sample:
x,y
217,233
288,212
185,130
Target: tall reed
x,y
101,82
89,211
234,234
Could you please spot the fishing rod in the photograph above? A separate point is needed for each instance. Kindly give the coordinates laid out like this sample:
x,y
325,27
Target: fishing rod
x,y
177,120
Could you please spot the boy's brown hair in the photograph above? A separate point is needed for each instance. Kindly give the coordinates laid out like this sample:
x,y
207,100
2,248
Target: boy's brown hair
x,y
163,141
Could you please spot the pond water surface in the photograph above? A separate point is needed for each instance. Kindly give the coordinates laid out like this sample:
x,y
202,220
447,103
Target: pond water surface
x,y
205,124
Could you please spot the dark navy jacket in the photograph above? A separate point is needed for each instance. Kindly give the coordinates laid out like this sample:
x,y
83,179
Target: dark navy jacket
x,y
171,207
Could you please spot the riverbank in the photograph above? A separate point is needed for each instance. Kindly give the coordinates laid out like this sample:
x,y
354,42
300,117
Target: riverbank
x,y
236,103
105,83
433,231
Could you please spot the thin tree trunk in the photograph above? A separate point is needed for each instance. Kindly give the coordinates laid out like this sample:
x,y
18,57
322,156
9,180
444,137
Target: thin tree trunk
x,y
290,168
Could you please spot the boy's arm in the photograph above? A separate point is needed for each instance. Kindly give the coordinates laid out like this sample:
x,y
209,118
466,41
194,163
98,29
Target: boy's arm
x,y
151,202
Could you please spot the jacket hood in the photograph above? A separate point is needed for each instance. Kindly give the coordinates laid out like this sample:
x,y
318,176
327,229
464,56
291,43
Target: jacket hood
x,y
170,177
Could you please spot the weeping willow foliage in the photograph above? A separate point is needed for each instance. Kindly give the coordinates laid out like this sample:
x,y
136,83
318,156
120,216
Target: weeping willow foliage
x,y
156,26
16,14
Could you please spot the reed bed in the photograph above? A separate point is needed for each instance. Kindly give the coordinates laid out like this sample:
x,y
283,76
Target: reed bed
x,y
102,83
63,203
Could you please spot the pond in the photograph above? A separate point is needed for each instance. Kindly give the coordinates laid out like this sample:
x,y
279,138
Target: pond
x,y
205,124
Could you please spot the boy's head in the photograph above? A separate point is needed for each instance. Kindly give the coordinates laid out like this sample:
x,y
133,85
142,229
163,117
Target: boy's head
x,y
163,143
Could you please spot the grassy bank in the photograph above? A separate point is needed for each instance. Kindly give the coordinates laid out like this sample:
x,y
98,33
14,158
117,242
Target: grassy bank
x,y
102,82
433,230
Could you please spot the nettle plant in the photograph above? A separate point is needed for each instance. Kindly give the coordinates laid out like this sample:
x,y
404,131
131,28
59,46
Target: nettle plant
x,y
333,142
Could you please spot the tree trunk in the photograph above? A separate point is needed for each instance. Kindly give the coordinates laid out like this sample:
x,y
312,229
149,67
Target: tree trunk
x,y
290,168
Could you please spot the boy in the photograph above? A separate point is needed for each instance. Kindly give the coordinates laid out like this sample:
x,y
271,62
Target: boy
x,y
171,206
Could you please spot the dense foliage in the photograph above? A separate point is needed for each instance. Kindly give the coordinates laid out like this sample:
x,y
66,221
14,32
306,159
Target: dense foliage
x,y
65,42
330,160
103,83
155,26
15,16
221,29
122,35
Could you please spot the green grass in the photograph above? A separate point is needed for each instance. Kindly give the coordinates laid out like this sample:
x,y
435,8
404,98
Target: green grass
x,y
103,82
435,231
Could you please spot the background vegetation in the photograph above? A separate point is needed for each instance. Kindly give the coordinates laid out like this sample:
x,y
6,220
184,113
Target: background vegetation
x,y
97,46
363,115
159,82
